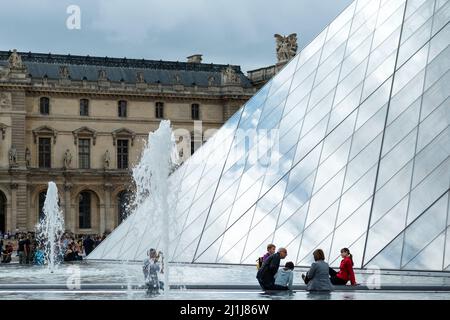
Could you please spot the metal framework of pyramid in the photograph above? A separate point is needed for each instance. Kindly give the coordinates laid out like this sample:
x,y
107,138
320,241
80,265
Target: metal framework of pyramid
x,y
362,119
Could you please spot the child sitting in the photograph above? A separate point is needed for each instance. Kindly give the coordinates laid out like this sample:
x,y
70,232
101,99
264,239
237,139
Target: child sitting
x,y
285,277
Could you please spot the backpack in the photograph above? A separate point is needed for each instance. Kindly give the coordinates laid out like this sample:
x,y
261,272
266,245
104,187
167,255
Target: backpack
x,y
259,263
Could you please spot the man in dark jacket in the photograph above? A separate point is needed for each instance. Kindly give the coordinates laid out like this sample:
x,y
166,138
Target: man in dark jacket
x,y
266,274
88,245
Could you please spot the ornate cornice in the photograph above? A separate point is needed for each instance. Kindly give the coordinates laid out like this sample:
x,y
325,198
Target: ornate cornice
x,y
45,131
123,133
165,92
108,187
84,132
76,174
115,62
68,186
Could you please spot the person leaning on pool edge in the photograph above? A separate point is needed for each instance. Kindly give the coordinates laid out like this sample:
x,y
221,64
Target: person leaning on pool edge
x,y
266,274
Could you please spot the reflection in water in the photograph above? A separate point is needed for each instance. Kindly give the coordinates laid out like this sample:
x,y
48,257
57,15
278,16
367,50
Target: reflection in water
x,y
278,295
348,296
215,295
318,295
185,274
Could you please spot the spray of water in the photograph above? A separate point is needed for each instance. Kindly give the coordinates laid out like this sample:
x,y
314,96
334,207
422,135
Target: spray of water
x,y
158,160
50,228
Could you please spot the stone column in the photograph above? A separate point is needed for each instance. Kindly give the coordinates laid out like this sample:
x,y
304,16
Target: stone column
x,y
13,224
105,210
9,217
68,216
109,222
102,225
18,170
32,217
19,201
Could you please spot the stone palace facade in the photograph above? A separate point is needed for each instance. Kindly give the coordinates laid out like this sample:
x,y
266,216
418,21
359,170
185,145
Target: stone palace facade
x,y
82,121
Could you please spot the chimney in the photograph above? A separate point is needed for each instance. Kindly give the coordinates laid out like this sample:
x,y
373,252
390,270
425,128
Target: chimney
x,y
195,58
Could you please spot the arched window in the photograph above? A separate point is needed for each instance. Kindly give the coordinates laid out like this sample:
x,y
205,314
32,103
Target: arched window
x,y
84,107
41,202
122,205
2,212
44,105
84,210
122,109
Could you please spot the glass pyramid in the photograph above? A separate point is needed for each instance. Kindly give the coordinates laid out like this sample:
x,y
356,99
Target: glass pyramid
x,y
348,146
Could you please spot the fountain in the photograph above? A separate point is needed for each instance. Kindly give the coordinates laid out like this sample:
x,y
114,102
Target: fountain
x,y
158,160
50,228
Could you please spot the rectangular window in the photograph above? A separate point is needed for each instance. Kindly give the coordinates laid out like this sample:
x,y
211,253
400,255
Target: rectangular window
x,y
122,154
195,111
84,107
84,153
122,109
44,105
45,152
159,110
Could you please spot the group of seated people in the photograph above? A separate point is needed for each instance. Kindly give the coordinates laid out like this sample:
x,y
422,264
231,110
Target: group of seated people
x,y
320,276
7,252
73,252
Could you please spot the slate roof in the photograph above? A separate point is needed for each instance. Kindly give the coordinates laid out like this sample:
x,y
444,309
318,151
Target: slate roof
x,y
117,69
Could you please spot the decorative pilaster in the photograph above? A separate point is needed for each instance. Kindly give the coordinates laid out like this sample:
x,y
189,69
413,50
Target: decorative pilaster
x,y
18,129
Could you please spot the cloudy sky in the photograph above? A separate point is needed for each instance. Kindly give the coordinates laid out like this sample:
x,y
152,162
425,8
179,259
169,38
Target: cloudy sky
x,y
225,31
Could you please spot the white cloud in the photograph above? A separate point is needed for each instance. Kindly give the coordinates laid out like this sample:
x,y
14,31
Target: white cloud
x,y
225,31
151,18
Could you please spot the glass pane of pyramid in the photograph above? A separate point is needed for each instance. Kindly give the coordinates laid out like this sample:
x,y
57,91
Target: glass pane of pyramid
x,y
347,146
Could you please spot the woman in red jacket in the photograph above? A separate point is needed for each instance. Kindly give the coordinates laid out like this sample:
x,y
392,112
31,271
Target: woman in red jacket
x,y
345,273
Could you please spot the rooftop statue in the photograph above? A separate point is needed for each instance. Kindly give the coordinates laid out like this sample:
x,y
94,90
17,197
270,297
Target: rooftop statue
x,y
286,47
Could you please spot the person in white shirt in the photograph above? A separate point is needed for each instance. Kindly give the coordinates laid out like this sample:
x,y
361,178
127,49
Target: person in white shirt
x,y
285,277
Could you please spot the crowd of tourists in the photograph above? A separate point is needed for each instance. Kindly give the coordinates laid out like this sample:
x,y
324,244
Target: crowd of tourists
x,y
31,251
320,276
